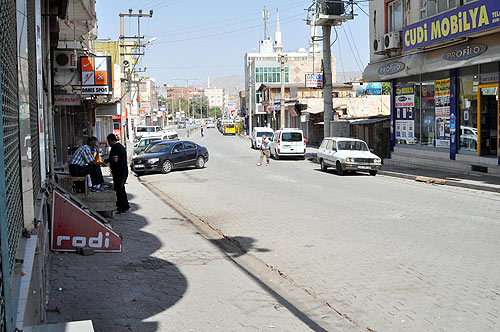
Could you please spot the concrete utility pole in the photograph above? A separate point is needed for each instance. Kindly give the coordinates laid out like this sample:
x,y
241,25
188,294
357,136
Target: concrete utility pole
x,y
125,95
327,88
282,101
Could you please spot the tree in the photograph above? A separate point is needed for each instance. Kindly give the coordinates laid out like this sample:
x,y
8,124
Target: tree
x,y
386,88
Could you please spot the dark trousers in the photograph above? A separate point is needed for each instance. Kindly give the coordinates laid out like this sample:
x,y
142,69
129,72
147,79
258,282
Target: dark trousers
x,y
121,194
93,170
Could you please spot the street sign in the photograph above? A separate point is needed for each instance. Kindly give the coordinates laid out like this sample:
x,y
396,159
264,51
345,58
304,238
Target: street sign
x,y
97,76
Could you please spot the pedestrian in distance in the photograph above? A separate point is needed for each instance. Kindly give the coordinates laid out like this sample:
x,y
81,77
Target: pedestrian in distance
x,y
202,131
118,163
84,163
264,151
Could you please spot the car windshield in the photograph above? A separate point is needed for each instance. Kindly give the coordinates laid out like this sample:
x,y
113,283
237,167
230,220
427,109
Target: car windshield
x,y
230,125
268,134
352,145
291,137
145,129
164,147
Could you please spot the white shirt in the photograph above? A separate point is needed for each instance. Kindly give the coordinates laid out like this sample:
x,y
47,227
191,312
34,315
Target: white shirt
x,y
265,144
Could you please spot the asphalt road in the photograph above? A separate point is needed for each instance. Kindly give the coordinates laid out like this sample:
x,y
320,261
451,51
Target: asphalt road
x,y
388,254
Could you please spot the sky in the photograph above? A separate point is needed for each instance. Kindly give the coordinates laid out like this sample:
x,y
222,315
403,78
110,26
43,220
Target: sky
x,y
201,39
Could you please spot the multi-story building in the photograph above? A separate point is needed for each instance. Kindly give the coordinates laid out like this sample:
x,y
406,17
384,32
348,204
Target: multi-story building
x,y
215,97
264,67
442,59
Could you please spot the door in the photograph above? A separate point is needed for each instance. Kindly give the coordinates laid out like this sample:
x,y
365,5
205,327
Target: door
x,y
190,152
178,156
487,120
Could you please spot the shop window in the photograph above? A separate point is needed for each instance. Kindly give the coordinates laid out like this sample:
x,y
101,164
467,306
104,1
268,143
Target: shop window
x,y
467,104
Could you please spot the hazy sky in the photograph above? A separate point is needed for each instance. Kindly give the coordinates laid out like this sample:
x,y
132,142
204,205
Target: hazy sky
x,y
200,38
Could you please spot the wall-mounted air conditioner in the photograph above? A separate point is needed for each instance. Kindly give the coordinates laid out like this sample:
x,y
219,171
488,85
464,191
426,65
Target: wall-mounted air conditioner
x,y
67,59
378,45
392,41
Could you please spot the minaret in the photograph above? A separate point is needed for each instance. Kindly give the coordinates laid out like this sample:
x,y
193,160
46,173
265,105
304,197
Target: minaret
x,y
208,83
278,44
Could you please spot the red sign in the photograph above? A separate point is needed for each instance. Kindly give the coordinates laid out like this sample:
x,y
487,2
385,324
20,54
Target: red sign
x,y
73,228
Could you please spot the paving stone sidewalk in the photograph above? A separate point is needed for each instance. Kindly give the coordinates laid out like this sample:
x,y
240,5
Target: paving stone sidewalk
x,y
168,278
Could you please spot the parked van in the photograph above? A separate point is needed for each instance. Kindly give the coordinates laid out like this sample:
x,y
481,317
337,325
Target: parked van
x,y
288,142
257,132
145,131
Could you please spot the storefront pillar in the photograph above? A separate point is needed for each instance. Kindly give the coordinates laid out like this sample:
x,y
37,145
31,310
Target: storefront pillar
x,y
393,115
498,124
453,114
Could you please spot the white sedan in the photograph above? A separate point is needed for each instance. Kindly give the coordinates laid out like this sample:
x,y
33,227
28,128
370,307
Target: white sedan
x,y
347,154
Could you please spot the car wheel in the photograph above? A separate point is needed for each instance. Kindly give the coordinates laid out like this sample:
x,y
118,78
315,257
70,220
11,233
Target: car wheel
x,y
338,166
373,173
166,167
276,156
323,165
200,162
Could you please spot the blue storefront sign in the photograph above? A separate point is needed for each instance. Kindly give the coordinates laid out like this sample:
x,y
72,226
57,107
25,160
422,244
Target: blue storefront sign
x,y
472,18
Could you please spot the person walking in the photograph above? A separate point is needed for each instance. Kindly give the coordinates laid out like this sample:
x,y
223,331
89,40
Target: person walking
x,y
84,163
264,151
202,131
118,163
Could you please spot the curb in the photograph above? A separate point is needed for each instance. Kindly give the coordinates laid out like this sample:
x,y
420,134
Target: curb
x,y
443,182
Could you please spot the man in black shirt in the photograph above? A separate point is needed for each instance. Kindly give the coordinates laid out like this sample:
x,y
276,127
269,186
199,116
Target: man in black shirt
x,y
118,162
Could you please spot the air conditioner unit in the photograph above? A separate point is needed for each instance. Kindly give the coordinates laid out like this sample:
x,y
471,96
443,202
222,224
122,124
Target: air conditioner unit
x,y
65,59
392,41
378,45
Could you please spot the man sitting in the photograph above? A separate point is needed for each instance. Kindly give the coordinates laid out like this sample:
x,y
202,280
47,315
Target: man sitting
x,y
83,163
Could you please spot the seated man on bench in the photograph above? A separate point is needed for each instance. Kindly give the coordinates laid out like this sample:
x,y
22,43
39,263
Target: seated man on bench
x,y
83,163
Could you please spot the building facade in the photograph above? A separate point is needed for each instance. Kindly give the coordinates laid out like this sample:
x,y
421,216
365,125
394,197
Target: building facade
x,y
442,59
215,97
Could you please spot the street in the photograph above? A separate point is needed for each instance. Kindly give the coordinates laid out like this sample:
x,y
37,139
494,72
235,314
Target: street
x,y
387,254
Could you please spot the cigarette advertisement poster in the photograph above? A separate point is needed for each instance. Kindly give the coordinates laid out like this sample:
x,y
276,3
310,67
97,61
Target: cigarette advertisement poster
x,y
442,111
405,112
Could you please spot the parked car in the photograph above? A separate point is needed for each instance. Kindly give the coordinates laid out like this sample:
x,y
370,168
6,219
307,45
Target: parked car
x,y
164,156
256,138
210,124
145,131
288,142
181,124
229,129
197,122
347,154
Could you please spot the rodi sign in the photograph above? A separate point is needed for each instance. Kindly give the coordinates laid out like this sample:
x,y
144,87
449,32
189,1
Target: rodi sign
x,y
472,18
72,228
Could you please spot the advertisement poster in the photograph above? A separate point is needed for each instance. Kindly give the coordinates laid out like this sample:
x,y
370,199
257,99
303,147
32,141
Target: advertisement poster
x,y
442,111
405,112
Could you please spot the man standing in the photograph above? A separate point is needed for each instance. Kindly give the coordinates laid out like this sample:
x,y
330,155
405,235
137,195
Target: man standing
x,y
264,151
83,163
118,163
202,131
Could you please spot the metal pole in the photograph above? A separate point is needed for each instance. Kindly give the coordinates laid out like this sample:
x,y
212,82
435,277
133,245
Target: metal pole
x,y
282,101
327,89
122,81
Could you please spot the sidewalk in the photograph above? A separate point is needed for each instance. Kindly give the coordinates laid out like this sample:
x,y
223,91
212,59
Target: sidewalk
x,y
471,180
168,278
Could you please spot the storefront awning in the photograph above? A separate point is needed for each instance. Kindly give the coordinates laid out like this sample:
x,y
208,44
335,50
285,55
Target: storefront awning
x,y
107,110
435,60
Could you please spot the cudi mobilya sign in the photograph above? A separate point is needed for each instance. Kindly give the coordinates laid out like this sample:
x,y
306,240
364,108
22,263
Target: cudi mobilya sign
x,y
465,20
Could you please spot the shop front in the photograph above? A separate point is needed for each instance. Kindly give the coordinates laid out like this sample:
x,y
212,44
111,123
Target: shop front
x,y
446,100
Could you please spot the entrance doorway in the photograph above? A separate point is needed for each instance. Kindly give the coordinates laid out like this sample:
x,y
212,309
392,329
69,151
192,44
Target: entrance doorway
x,y
487,119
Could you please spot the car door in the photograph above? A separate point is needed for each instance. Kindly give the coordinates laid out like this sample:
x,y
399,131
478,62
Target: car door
x,y
178,156
333,153
191,152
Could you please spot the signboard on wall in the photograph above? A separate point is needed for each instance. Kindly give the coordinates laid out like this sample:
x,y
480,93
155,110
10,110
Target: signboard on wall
x,y
97,75
314,81
442,112
405,112
468,19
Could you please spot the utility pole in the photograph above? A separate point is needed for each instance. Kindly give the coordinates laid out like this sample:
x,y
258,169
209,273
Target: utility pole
x,y
282,58
188,99
125,95
327,88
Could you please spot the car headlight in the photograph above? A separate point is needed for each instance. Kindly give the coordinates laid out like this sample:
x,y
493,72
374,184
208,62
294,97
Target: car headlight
x,y
153,160
349,160
377,161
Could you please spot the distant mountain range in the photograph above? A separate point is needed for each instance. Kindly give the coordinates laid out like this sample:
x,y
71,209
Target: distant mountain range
x,y
233,84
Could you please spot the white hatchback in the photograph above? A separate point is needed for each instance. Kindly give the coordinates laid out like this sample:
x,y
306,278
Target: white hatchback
x,y
347,154
288,142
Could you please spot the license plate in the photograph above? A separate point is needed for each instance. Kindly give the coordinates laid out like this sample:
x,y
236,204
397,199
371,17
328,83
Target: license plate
x,y
364,167
286,146
138,166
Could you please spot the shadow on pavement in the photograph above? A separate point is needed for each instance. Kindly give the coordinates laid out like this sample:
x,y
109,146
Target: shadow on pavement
x,y
237,246
117,291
